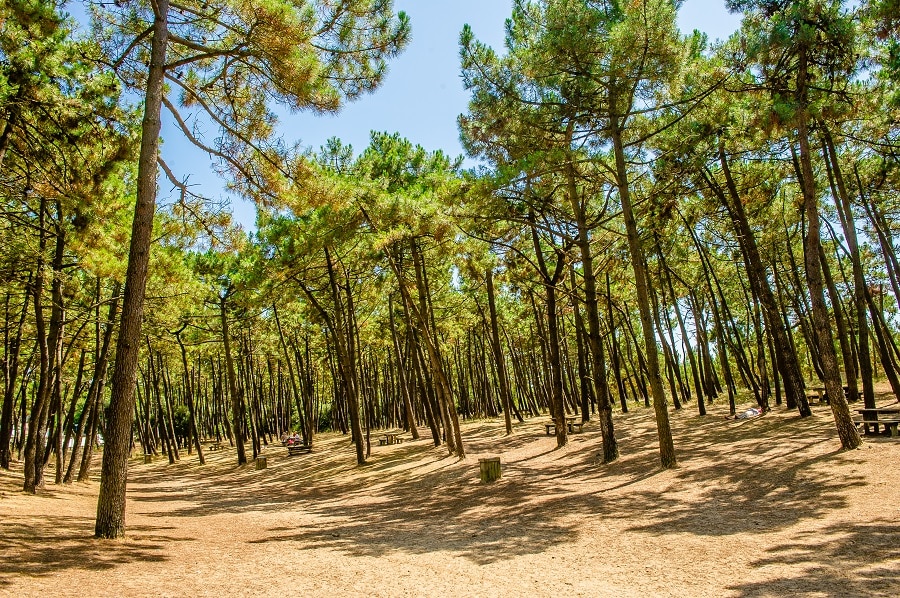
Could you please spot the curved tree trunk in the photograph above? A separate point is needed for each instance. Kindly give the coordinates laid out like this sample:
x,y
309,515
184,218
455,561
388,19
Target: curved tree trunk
x,y
844,422
636,253
845,215
786,357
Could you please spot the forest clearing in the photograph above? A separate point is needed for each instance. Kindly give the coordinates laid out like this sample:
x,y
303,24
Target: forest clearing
x,y
767,506
638,234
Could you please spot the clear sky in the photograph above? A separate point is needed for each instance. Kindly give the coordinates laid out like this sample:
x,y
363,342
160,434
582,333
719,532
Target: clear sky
x,y
422,94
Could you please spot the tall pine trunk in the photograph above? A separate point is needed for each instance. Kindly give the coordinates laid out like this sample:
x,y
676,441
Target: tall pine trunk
x,y
234,390
110,522
496,348
11,370
592,314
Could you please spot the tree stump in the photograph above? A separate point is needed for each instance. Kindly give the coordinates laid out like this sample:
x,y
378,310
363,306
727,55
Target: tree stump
x,y
148,458
490,469
261,462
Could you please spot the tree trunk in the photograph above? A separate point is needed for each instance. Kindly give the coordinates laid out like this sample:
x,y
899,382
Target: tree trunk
x,y
496,347
189,398
344,346
69,422
295,392
844,422
235,391
162,420
550,282
402,375
430,338
37,420
786,357
584,377
110,522
614,349
698,389
885,238
11,370
592,314
660,407
842,201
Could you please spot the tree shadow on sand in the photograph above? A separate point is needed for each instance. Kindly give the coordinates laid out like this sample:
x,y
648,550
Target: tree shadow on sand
x,y
61,544
759,476
822,563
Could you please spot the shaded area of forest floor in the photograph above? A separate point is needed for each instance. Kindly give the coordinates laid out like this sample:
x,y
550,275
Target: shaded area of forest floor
x,y
762,507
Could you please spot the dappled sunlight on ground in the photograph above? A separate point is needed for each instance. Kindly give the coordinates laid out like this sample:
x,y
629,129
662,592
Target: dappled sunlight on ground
x,y
763,507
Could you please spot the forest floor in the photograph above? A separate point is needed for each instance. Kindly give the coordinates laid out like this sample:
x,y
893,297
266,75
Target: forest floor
x,y
768,506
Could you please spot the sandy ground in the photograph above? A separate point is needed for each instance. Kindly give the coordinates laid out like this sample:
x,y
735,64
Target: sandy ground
x,y
761,507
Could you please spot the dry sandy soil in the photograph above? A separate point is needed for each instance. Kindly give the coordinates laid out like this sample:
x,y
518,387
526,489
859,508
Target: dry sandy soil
x,y
762,507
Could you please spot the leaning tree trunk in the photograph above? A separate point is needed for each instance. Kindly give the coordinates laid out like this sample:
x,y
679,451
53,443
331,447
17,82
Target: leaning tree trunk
x,y
786,357
701,406
110,521
844,422
845,215
101,359
592,313
585,390
430,337
295,392
550,282
595,342
636,253
344,347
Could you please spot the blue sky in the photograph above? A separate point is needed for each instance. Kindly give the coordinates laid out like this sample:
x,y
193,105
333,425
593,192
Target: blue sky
x,y
421,96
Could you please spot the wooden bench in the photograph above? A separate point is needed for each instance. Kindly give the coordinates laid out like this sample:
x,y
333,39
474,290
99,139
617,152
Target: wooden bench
x,y
298,449
576,427
550,427
889,424
214,446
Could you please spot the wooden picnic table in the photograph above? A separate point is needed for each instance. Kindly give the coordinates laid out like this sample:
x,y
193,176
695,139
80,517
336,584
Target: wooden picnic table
x,y
298,449
391,438
819,395
889,417
571,423
574,422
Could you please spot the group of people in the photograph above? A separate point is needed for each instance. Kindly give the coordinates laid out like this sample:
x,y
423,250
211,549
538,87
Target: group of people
x,y
292,438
